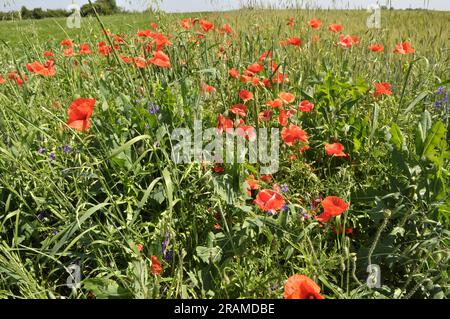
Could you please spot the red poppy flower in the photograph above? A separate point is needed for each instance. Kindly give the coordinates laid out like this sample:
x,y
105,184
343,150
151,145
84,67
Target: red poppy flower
x,y
347,41
246,95
140,62
208,88
67,43
233,73
284,116
315,23
305,106
265,55
157,269
403,48
154,26
104,49
218,168
301,287
292,134
19,79
382,88
139,247
239,109
85,49
287,98
275,103
336,149
49,54
79,113
247,131
264,115
186,24
340,230
252,182
266,178
335,27
226,28
291,22
68,52
255,68
376,47
269,200
332,206
223,123
2,80
47,69
160,59
295,41
206,25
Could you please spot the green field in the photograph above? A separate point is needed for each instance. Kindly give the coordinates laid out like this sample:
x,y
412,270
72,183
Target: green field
x,y
110,197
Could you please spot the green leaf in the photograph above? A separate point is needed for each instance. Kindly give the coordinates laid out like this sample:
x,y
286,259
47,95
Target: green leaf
x,y
396,136
435,147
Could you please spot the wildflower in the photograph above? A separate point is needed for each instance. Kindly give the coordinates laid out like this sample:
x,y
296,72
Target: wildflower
x,y
287,98
382,88
255,68
79,113
153,108
67,43
139,247
46,69
305,106
403,48
66,149
224,123
295,41
334,27
315,23
264,115
376,47
284,188
246,95
332,206
233,73
42,150
85,49
239,109
275,103
335,149
301,287
269,200
156,267
347,41
49,54
206,25
218,168
208,88
160,59
52,156
293,134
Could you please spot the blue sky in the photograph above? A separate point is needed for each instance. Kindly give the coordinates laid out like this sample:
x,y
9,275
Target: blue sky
x,y
211,5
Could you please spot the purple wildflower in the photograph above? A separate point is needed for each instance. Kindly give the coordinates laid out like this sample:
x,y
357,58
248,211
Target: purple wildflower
x,y
284,188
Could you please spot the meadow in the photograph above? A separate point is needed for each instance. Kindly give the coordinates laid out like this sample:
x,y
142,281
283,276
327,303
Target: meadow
x,y
87,177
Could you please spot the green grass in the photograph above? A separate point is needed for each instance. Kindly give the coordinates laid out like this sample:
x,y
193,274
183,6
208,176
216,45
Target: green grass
x,y
118,186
